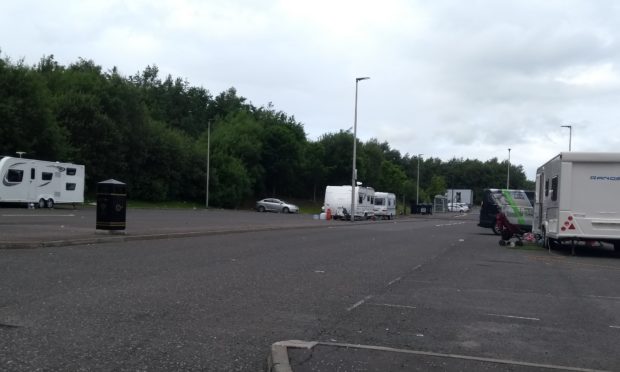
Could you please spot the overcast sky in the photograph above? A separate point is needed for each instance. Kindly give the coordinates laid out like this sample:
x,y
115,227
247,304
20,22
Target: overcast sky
x,y
464,79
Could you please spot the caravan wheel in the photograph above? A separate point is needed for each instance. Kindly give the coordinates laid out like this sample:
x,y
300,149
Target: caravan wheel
x,y
50,203
41,203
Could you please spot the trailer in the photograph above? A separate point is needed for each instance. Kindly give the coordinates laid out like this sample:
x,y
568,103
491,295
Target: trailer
x,y
465,196
338,202
385,205
39,182
577,198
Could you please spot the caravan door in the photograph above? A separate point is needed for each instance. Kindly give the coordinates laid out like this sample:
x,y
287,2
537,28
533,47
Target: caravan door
x,y
31,185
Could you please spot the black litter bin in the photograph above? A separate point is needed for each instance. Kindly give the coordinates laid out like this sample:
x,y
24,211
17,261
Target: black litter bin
x,y
111,205
421,208
426,208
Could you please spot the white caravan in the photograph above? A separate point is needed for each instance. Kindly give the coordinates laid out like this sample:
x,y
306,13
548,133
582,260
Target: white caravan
x,y
385,205
338,202
577,198
43,183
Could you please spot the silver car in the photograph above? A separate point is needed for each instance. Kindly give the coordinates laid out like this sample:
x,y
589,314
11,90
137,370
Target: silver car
x,y
276,205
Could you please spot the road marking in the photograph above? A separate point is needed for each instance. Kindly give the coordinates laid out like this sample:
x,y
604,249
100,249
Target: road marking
x,y
514,317
457,356
393,305
419,266
38,215
359,303
394,281
605,297
450,224
614,327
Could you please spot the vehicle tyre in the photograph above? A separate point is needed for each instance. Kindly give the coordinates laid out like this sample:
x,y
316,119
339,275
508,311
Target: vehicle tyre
x,y
617,246
41,203
496,229
502,242
261,208
285,210
50,203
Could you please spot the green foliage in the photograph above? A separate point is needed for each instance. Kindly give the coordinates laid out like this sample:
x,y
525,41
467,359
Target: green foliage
x,y
152,134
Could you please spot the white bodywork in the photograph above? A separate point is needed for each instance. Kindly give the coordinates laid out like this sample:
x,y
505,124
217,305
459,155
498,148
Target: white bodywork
x,y
43,183
338,201
385,205
464,196
578,197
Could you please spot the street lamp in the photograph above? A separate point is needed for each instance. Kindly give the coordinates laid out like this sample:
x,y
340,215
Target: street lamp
x,y
354,170
417,194
208,161
570,134
508,176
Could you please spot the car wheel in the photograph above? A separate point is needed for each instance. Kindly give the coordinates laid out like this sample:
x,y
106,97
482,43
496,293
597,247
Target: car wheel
x,y
285,210
261,208
50,203
41,203
496,229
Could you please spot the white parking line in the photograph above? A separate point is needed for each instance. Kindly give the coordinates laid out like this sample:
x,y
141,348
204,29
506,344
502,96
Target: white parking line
x,y
450,224
393,305
618,327
605,297
514,317
359,303
38,215
394,281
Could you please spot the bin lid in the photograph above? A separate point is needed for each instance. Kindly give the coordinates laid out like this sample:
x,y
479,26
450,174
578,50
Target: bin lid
x,y
111,182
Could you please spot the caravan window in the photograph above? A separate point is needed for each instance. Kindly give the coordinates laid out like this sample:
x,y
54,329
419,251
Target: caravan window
x,y
379,201
71,171
15,175
47,176
361,198
547,187
554,188
70,186
32,173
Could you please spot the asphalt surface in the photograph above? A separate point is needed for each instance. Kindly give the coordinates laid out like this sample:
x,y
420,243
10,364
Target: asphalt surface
x,y
424,293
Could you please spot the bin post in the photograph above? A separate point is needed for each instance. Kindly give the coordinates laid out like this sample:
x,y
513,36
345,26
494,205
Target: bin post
x,y
111,205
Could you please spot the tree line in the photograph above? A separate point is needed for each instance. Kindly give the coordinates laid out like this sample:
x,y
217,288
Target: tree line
x,y
151,133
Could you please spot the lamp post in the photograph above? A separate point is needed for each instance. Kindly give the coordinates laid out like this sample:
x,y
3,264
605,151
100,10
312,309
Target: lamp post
x,y
508,176
354,171
570,135
208,161
417,194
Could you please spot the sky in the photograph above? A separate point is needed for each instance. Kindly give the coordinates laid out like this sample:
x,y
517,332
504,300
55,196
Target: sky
x,y
448,78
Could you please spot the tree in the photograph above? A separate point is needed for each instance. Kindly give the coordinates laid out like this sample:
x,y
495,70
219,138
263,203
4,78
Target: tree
x,y
437,187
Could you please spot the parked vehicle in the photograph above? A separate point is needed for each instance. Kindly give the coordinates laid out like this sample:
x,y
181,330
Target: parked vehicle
x,y
385,205
458,207
577,198
517,205
338,202
276,205
39,182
